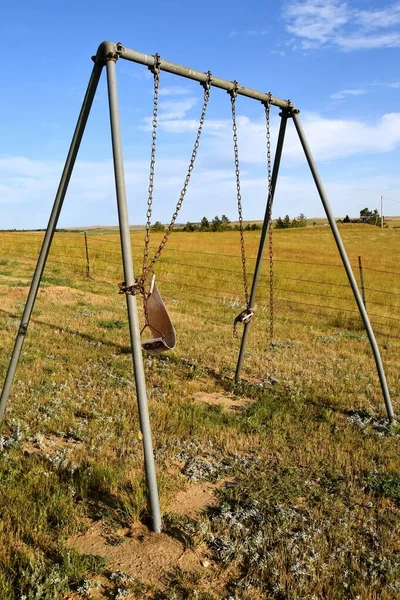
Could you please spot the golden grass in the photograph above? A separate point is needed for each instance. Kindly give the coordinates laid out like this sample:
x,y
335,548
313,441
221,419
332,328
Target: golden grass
x,y
74,383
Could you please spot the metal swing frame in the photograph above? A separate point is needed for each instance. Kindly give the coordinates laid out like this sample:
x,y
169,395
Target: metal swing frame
x,y
107,55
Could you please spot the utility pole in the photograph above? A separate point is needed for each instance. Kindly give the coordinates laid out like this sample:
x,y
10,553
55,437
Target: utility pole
x,y
381,212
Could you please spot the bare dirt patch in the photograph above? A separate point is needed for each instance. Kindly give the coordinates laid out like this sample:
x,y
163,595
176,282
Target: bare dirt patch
x,y
51,445
192,501
138,552
226,401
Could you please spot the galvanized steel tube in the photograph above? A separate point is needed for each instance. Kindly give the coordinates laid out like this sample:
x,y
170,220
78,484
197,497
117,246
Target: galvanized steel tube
x,y
51,227
130,299
223,84
263,238
347,266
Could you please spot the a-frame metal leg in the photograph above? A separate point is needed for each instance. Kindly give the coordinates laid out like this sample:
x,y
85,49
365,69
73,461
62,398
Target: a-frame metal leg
x,y
51,227
347,266
130,299
263,238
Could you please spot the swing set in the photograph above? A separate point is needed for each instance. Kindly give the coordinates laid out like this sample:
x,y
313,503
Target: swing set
x,y
157,322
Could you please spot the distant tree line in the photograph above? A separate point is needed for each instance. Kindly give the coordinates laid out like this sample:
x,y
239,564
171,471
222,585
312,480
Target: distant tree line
x,y
216,224
286,223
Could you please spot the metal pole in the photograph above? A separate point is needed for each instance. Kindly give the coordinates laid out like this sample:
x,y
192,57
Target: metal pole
x,y
202,77
347,266
381,212
87,256
51,227
362,281
130,299
264,232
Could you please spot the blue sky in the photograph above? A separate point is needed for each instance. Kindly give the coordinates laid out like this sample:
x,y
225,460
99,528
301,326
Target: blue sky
x,y
337,61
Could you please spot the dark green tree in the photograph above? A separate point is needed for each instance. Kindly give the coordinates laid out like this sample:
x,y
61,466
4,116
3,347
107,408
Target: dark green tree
x,y
369,216
286,222
205,224
216,224
302,220
190,227
225,223
158,226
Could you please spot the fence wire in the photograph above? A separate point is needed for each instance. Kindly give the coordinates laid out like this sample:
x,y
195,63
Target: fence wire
x,y
198,281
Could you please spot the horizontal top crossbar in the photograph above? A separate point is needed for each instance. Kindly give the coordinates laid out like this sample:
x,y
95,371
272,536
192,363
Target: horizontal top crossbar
x,y
111,51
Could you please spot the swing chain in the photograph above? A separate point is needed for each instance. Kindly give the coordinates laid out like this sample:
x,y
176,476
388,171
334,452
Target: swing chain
x,y
233,94
131,290
155,69
267,106
147,268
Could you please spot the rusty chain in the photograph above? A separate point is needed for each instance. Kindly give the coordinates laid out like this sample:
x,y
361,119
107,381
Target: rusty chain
x,y
233,94
140,282
148,267
267,106
155,69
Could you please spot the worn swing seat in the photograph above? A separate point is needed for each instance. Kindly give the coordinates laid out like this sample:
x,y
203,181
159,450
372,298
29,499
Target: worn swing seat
x,y
159,323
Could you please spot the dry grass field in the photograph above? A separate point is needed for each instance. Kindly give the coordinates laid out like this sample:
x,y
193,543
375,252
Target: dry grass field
x,y
285,486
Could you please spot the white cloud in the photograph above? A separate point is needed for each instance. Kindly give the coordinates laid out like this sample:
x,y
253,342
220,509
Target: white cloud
x,y
328,138
369,42
316,20
176,109
28,186
331,139
188,125
171,111
389,84
373,19
335,23
174,91
343,93
91,197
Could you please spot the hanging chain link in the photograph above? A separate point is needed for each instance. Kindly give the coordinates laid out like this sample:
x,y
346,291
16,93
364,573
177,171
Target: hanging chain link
x,y
270,245
148,267
155,69
140,282
233,94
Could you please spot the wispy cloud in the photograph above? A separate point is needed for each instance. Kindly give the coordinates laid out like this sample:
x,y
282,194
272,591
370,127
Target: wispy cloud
x,y
27,184
171,111
364,89
174,91
91,197
319,23
387,84
382,18
176,109
343,93
329,138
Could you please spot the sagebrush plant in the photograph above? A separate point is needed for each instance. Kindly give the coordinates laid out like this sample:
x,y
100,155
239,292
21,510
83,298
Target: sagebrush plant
x,y
308,500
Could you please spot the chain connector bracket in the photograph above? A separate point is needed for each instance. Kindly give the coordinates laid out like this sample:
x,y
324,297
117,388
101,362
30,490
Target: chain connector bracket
x,y
289,111
233,92
128,290
105,52
268,101
207,83
244,317
155,68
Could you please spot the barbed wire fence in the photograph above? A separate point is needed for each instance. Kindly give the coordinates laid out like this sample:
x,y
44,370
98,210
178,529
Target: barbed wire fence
x,y
192,277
